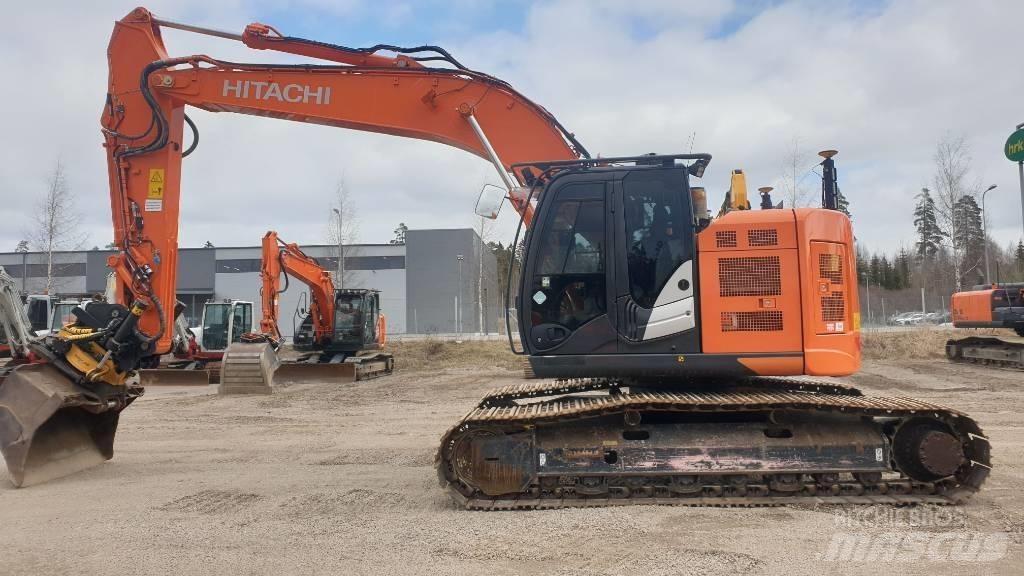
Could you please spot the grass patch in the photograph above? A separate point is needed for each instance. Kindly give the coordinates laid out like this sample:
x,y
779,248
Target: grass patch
x,y
914,344
418,355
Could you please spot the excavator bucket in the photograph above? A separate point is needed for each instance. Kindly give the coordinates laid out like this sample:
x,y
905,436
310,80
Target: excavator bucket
x,y
178,377
298,372
48,429
248,369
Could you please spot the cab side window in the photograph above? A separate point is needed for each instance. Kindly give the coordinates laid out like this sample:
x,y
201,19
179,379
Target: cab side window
x,y
658,231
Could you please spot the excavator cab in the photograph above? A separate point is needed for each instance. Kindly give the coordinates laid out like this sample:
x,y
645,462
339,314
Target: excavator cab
x,y
610,272
224,323
357,320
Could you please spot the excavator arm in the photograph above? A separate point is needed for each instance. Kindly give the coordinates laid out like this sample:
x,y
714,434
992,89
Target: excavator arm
x,y
281,257
361,89
15,326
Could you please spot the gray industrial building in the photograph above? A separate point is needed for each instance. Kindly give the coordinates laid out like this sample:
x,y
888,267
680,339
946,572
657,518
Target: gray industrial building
x,y
419,281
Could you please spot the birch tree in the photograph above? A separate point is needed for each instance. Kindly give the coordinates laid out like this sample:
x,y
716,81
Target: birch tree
x,y
952,169
55,225
794,168
342,231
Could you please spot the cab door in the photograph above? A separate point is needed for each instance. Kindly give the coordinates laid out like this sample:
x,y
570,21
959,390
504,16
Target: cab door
x,y
241,321
566,291
655,284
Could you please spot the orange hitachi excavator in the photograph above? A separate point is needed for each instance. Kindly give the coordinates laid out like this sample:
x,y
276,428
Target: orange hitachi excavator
x,y
340,337
657,333
995,306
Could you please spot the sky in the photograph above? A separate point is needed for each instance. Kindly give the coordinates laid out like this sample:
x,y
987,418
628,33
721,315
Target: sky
x,y
880,81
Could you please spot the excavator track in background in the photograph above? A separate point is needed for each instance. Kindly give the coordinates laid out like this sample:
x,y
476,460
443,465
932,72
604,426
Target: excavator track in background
x,y
352,369
1006,352
763,442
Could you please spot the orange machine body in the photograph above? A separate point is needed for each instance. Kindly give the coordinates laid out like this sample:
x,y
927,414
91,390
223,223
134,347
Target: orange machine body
x,y
144,115
969,309
781,282
282,258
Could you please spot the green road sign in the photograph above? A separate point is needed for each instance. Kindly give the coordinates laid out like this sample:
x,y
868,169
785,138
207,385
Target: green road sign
x,y
1015,146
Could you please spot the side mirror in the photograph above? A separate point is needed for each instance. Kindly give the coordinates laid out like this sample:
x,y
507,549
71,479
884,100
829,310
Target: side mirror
x,y
488,204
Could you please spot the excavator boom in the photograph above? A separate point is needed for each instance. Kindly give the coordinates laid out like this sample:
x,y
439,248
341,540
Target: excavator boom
x,y
144,117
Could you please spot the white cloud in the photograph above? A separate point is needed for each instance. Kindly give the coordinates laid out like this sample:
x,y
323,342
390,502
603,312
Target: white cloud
x,y
880,87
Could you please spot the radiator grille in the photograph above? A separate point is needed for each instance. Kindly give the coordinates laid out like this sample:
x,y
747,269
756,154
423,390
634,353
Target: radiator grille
x,y
752,276
725,239
833,307
760,321
830,267
763,237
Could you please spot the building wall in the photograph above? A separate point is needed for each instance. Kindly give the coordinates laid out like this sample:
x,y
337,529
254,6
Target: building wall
x,y
69,272
418,281
433,270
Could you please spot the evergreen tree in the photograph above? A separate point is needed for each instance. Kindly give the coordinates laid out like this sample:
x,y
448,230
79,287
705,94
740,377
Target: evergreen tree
x,y
1019,256
843,204
929,235
399,234
862,265
969,238
903,268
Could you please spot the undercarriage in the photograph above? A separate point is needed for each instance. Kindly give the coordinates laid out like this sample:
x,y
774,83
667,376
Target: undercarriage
x,y
762,441
1004,352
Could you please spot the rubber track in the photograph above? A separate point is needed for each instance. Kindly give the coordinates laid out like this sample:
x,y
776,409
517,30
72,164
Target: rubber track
x,y
903,491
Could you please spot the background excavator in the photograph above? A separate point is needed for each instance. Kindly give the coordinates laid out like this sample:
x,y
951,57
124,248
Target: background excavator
x,y
198,351
340,337
659,326
999,306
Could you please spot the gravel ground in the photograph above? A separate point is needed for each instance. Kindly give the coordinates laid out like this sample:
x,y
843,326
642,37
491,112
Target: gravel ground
x,y
339,479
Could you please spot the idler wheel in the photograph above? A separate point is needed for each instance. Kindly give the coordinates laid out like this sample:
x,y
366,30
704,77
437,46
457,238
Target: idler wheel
x,y
926,451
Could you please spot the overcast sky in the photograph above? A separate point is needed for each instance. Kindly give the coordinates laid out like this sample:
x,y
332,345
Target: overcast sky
x,y
881,82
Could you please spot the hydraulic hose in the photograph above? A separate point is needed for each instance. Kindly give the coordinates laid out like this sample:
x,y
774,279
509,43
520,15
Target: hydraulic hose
x,y
195,137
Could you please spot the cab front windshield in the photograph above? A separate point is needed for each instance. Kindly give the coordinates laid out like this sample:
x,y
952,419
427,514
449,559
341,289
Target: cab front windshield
x,y
62,315
215,326
348,316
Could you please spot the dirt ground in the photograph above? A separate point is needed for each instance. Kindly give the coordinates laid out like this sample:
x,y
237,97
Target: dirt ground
x,y
339,479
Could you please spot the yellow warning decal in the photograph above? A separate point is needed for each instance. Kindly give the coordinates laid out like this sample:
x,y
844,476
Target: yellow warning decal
x,y
156,183
856,320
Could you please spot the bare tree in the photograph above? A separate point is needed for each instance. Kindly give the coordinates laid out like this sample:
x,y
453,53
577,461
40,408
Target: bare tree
x,y
342,231
794,169
952,169
55,225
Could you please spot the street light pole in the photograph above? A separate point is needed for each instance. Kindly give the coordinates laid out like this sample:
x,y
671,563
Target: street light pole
x,y
341,252
984,232
458,306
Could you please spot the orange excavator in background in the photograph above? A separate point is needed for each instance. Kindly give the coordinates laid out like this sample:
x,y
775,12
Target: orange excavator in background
x,y
340,337
997,306
657,331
